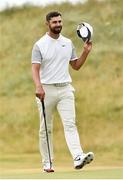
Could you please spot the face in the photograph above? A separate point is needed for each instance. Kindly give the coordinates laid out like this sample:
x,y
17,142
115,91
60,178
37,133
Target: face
x,y
55,24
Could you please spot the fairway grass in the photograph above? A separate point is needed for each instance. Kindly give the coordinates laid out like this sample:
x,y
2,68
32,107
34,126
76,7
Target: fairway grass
x,y
86,173
23,166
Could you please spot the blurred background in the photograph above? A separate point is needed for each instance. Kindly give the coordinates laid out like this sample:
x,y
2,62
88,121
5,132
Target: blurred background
x,y
99,83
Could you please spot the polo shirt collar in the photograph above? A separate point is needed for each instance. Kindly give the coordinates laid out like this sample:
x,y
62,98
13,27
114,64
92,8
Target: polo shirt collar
x,y
49,37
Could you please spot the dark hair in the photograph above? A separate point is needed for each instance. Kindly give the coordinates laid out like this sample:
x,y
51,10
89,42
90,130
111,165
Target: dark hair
x,y
52,14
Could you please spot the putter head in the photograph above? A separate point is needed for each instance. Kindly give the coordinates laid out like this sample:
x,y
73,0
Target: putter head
x,y
48,170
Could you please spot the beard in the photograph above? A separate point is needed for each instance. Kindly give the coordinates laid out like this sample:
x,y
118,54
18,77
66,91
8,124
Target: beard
x,y
56,30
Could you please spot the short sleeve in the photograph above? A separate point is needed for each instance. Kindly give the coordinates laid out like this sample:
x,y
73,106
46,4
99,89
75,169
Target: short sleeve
x,y
73,55
36,55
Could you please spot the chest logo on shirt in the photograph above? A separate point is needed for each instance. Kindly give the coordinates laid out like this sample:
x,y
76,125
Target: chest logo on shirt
x,y
63,45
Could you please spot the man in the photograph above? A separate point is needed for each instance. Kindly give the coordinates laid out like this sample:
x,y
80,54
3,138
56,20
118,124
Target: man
x,y
51,56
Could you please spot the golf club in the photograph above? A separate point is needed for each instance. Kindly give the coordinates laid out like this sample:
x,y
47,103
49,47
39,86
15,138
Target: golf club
x,y
48,147
45,123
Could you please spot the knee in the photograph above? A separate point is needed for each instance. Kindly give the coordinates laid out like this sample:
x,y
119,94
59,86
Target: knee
x,y
42,132
69,126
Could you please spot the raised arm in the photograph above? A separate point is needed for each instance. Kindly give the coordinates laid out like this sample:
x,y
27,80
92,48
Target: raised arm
x,y
76,64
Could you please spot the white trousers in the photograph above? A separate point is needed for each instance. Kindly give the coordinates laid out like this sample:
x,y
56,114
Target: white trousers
x,y
61,98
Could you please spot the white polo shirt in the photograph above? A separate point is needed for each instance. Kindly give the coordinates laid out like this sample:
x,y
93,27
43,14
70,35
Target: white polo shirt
x,y
54,56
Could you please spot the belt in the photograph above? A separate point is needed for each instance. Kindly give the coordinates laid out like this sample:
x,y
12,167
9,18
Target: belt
x,y
59,84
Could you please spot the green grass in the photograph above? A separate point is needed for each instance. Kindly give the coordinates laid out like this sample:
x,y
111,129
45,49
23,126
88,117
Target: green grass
x,y
84,174
99,84
28,167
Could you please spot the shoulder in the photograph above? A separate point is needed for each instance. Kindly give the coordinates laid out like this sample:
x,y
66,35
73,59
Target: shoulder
x,y
41,41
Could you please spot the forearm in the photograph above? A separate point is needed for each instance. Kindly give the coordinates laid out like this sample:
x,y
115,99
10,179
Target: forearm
x,y
76,64
81,60
37,81
35,74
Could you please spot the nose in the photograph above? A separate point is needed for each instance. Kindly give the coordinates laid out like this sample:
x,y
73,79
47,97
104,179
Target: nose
x,y
58,23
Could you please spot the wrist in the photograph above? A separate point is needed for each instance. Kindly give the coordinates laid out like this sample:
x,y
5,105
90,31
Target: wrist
x,y
38,85
85,53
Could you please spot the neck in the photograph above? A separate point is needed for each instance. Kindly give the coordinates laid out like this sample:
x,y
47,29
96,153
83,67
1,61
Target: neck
x,y
54,36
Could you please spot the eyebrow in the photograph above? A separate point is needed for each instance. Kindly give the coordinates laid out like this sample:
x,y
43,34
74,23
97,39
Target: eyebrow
x,y
57,21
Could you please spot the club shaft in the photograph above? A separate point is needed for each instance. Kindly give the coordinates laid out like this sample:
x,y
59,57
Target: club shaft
x,y
47,137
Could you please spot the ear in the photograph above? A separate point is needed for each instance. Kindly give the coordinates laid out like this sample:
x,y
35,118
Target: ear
x,y
46,23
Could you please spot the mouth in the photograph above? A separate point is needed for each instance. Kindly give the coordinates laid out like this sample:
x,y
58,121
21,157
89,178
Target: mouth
x,y
58,28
